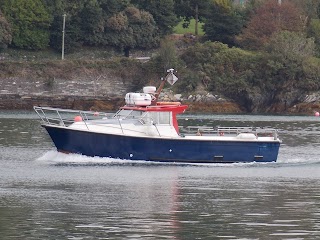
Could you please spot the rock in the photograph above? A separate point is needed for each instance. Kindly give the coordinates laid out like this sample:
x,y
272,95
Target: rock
x,y
198,98
177,97
312,98
214,107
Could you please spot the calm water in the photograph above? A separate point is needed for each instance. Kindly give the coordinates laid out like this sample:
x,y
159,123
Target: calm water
x,y
48,195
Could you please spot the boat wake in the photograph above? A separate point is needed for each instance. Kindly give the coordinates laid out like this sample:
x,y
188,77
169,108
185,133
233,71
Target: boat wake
x,y
61,159
290,156
298,162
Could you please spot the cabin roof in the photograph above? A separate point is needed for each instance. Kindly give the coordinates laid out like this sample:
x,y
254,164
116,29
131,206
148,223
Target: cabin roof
x,y
174,107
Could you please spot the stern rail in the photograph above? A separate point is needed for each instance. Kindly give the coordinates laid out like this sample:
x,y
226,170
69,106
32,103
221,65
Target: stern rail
x,y
206,130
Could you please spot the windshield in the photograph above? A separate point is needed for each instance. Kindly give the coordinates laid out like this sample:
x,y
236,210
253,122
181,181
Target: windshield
x,y
128,114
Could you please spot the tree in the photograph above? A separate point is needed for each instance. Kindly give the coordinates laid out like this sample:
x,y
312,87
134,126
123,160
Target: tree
x,y
248,9
192,9
70,7
92,22
73,33
162,12
221,68
103,34
314,31
5,32
167,56
309,7
268,19
255,79
84,23
112,7
30,23
223,23
285,64
132,28
291,46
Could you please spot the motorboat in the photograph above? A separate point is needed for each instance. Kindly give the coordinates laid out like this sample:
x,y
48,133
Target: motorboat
x,y
147,129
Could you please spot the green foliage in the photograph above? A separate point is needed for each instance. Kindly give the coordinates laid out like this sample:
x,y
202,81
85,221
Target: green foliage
x,y
311,68
30,23
162,12
70,7
73,33
167,57
192,9
291,45
309,7
5,32
83,23
132,28
111,7
285,62
314,31
268,19
91,22
221,68
278,76
278,73
226,4
189,80
179,29
104,23
241,75
223,23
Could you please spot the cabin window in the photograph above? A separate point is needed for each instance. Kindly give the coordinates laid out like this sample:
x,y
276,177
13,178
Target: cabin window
x,y
160,117
136,114
122,113
164,118
128,114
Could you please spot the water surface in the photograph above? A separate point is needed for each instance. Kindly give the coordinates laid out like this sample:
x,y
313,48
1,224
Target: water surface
x,y
49,195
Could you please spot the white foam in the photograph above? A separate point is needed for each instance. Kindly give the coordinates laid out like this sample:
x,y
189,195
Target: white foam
x,y
58,157
55,157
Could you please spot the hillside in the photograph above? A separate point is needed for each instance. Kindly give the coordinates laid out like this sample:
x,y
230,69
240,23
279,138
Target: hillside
x,y
79,84
98,79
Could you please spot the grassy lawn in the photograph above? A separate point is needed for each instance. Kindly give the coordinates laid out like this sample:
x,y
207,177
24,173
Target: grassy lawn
x,y
180,30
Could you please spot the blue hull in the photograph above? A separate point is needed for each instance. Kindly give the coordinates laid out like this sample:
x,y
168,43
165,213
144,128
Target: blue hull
x,y
161,150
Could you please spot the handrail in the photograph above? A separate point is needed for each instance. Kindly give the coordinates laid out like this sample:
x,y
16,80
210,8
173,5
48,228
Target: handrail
x,y
66,117
60,115
230,130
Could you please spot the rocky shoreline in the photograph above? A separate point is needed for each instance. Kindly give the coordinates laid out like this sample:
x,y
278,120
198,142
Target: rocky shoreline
x,y
197,103
16,102
76,85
